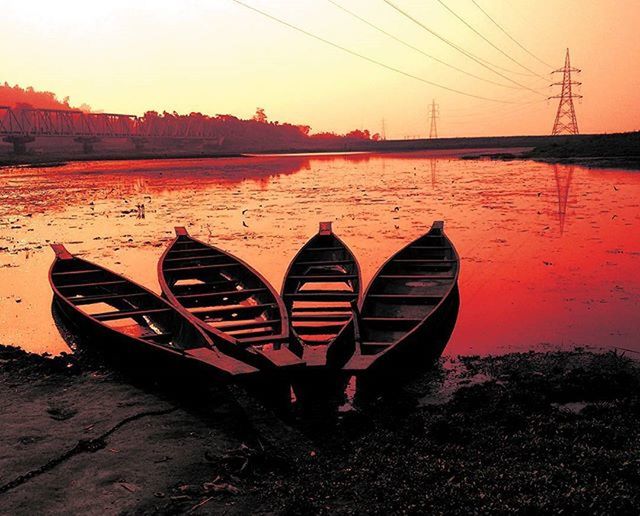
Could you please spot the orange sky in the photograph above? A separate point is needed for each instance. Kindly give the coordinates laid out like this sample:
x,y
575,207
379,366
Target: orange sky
x,y
215,56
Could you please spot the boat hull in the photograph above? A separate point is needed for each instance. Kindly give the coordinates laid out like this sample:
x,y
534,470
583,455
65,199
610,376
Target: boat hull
x,y
129,353
409,310
413,354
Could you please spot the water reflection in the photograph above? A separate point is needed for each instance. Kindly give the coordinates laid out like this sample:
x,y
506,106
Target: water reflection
x,y
522,287
563,176
433,164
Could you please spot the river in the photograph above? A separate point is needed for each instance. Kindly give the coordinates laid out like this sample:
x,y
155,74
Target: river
x,y
550,254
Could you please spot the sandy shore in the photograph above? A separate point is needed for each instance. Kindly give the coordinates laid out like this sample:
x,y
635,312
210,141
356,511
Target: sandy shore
x,y
535,432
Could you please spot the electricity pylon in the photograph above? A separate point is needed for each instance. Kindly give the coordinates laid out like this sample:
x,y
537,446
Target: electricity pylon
x,y
566,121
434,114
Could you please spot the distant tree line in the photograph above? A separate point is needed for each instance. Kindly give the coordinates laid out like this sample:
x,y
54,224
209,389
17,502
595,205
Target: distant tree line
x,y
232,131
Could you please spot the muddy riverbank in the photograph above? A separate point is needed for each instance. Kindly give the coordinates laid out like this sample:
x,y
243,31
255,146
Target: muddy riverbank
x,y
52,150
534,432
603,151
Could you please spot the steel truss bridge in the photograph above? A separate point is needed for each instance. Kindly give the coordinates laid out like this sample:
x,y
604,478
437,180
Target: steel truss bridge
x,y
22,126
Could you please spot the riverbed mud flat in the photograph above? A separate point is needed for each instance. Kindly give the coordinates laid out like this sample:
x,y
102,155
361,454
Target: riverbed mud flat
x,y
535,432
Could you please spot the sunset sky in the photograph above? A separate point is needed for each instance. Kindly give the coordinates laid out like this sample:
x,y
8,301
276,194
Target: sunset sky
x,y
216,56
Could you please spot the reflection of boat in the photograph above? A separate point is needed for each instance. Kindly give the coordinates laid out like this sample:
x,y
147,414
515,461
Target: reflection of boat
x,y
408,305
230,300
131,320
320,290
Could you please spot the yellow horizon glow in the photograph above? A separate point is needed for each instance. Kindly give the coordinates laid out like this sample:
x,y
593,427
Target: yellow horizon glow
x,y
216,57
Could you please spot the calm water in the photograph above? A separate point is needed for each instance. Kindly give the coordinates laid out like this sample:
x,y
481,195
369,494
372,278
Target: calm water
x,y
550,254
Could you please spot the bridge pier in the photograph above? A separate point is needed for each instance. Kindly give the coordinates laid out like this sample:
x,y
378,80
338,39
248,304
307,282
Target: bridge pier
x,y
19,143
138,142
87,143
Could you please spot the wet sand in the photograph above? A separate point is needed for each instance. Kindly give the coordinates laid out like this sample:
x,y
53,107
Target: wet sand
x,y
536,432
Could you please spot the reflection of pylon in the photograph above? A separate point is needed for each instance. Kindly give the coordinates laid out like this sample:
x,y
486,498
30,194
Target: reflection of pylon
x,y
566,121
434,115
433,162
563,177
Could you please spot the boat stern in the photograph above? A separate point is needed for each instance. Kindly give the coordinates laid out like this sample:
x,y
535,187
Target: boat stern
x,y
280,356
225,365
358,363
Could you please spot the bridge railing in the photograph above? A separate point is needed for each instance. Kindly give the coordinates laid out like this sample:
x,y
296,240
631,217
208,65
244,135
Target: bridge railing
x,y
31,122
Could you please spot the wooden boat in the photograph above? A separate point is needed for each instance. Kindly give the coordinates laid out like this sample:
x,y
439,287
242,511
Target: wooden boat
x,y
230,300
406,311
321,289
132,321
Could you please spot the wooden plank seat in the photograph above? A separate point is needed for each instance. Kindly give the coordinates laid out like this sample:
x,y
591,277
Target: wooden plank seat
x,y
94,284
320,317
321,295
230,294
225,311
198,256
203,267
252,339
194,250
374,346
123,314
76,272
100,298
199,289
249,334
324,277
324,329
306,309
245,324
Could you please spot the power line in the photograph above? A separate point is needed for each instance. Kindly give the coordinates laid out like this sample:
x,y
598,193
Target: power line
x,y
509,35
362,56
492,114
409,45
487,40
456,47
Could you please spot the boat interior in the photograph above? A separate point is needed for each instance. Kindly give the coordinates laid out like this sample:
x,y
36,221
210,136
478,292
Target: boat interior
x,y
406,290
321,290
222,292
122,305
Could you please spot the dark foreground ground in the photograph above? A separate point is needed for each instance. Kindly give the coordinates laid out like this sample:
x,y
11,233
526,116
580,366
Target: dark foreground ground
x,y
534,433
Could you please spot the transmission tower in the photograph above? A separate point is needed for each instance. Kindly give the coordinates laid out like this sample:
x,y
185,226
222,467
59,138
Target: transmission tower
x,y
434,114
384,129
566,121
